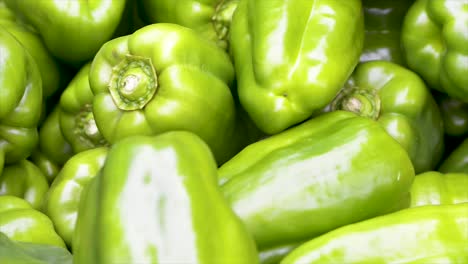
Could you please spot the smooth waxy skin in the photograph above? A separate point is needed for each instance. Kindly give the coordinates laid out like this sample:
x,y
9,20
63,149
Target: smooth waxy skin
x,y
292,57
49,68
426,234
457,160
77,121
383,21
323,169
151,205
21,100
62,201
72,30
435,188
454,113
23,179
20,222
211,18
164,77
435,44
53,150
400,101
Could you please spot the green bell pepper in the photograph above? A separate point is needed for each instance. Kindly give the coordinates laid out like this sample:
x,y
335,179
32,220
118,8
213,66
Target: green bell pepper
x,y
426,234
77,121
292,57
457,160
23,179
435,188
20,222
164,77
73,31
21,100
383,21
63,197
400,101
454,114
211,18
48,66
435,44
323,169
53,150
276,254
12,252
150,204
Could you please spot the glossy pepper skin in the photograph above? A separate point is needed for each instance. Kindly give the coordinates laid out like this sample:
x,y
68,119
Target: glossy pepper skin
x,y
21,100
292,57
73,31
63,197
323,169
454,114
435,188
48,66
77,121
20,222
426,234
23,179
457,160
211,18
435,44
53,150
12,252
164,77
150,204
400,101
383,21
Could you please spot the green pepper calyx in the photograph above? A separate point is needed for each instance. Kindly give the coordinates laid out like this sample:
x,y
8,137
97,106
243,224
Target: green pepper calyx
x,y
363,102
222,20
133,83
86,129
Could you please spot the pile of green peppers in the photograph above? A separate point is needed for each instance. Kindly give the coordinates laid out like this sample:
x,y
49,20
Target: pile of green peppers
x,y
233,131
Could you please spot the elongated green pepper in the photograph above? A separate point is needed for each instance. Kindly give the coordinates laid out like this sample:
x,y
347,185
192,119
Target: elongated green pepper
x,y
400,101
150,204
20,222
435,44
426,234
77,121
21,100
63,197
211,18
72,30
164,77
457,160
292,57
315,177
435,188
23,179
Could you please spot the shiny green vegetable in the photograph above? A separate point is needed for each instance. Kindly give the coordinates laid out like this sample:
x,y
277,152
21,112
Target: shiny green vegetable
x,y
62,200
435,188
435,44
325,170
20,222
164,77
12,252
77,121
426,234
20,100
292,57
72,30
150,204
211,18
457,160
23,179
400,101
454,114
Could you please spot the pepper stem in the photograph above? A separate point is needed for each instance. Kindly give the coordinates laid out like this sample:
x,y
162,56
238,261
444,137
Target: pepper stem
x,y
222,20
133,83
362,102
